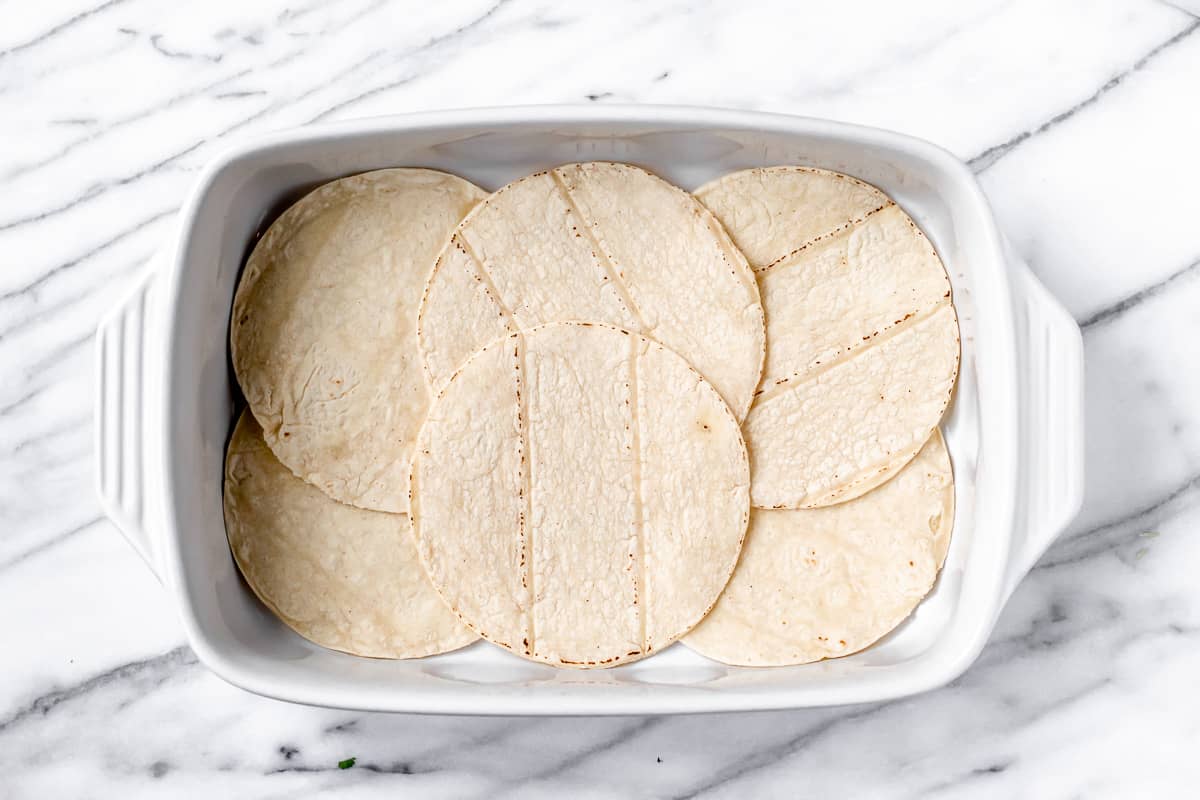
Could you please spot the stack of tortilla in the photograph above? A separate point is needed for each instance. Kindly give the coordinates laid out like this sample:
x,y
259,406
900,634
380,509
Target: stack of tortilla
x,y
591,414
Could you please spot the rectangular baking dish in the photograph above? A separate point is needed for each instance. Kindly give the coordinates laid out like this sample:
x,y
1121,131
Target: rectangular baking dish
x,y
164,409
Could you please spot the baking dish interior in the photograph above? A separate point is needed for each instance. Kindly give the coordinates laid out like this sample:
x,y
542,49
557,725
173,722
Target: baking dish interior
x,y
239,195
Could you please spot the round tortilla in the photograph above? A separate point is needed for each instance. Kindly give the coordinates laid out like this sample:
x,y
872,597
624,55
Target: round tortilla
x,y
597,242
342,577
827,582
579,494
863,342
323,334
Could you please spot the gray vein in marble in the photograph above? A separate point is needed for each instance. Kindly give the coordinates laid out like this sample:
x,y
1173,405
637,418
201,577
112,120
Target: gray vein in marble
x,y
474,742
32,394
82,257
120,122
1104,538
293,100
987,158
342,727
604,745
903,57
433,44
363,96
97,189
549,23
291,13
1052,632
60,465
1059,624
239,94
199,91
1066,700
429,46
342,24
1111,312
29,441
61,351
59,66
65,301
59,28
156,43
149,672
1016,722
772,755
1193,12
49,543
969,777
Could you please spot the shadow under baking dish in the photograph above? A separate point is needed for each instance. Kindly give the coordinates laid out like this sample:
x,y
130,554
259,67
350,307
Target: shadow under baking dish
x,y
240,640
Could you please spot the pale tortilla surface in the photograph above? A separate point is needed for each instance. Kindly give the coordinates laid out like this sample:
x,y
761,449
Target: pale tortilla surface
x,y
827,582
579,494
323,333
343,577
862,338
598,242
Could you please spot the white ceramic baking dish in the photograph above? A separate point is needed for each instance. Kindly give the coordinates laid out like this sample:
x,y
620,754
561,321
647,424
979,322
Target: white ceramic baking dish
x,y
165,409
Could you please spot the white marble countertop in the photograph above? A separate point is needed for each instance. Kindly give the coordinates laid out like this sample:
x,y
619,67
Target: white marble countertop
x,y
1083,123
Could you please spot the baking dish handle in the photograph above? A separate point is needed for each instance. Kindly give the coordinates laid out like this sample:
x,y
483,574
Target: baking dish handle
x,y
1050,349
127,349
